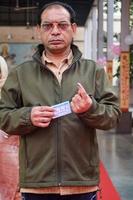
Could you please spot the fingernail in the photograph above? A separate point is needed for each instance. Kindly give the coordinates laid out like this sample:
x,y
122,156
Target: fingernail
x,y
79,84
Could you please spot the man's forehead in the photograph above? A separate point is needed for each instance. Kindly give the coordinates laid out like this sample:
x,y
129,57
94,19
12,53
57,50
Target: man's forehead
x,y
54,12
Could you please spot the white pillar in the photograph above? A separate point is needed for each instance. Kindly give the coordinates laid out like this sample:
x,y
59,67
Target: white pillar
x,y
94,33
110,28
87,39
90,41
100,34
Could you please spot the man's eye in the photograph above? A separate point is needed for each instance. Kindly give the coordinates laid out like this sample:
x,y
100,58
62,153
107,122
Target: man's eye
x,y
50,26
47,26
63,26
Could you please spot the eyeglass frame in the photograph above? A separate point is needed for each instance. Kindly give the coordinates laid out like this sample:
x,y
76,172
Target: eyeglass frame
x,y
59,26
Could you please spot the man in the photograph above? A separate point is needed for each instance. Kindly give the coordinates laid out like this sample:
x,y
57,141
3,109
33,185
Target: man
x,y
58,154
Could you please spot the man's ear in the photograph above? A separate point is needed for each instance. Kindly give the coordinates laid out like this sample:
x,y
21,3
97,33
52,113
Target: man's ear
x,y
74,27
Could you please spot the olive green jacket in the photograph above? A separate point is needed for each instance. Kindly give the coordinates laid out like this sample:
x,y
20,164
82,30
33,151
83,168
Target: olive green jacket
x,y
66,152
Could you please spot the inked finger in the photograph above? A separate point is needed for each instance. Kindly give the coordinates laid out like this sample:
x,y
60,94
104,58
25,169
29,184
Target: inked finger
x,y
81,91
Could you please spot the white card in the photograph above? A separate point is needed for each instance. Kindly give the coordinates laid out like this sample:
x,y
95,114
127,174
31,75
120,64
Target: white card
x,y
62,109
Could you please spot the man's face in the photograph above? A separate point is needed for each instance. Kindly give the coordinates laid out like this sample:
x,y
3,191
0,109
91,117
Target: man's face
x,y
56,30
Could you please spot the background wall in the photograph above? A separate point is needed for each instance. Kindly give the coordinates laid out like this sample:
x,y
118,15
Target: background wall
x,y
29,35
17,44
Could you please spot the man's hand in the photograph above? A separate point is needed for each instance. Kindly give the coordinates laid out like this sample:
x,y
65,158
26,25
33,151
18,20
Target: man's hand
x,y
41,116
81,102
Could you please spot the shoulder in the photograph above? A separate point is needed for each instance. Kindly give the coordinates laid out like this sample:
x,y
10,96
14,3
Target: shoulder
x,y
22,70
88,61
24,66
91,64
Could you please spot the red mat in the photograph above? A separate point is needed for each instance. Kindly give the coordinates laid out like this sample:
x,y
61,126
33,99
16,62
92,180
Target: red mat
x,y
108,190
9,173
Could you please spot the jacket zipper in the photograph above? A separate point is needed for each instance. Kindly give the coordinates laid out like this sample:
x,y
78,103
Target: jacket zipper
x,y
59,163
59,160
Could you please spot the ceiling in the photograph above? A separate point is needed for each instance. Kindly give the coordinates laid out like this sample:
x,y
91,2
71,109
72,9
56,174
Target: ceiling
x,y
26,12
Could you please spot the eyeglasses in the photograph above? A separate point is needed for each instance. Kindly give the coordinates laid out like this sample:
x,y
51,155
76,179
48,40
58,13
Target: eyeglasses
x,y
50,26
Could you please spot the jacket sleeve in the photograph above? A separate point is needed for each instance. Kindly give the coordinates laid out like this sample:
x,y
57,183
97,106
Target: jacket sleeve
x,y
105,112
14,117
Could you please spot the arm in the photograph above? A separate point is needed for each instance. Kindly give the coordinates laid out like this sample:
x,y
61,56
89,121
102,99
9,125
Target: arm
x,y
15,118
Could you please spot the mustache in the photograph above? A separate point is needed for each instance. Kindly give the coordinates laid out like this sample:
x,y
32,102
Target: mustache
x,y
56,39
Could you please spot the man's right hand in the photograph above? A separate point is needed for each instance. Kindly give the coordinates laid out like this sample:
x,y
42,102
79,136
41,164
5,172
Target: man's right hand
x,y
41,116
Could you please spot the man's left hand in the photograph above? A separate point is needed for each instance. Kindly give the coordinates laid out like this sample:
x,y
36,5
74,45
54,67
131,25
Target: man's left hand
x,y
81,102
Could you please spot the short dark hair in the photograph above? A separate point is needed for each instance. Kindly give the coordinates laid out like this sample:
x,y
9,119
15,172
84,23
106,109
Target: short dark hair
x,y
64,5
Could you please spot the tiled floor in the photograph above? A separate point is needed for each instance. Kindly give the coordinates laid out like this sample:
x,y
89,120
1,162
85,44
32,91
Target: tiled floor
x,y
116,152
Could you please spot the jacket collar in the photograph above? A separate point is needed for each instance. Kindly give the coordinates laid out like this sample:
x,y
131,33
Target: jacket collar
x,y
40,48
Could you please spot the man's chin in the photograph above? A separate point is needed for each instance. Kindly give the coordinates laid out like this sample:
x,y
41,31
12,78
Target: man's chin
x,y
57,49
56,46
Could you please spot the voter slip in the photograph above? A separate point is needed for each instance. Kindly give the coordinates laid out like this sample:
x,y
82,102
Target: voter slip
x,y
62,109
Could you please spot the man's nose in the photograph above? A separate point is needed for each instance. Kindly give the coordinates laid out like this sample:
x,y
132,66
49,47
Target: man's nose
x,y
55,29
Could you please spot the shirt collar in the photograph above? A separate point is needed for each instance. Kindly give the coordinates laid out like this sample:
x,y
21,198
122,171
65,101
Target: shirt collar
x,y
67,59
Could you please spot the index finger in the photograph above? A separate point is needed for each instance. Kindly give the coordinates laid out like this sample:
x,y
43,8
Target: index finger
x,y
82,92
46,108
